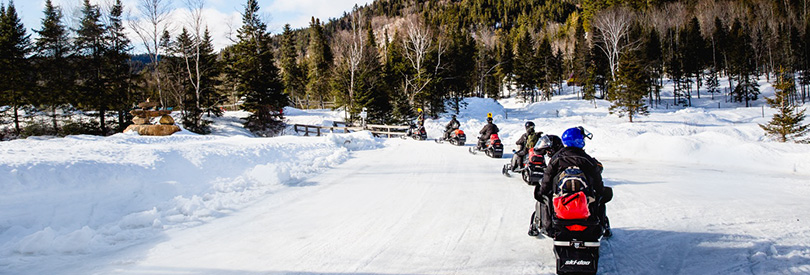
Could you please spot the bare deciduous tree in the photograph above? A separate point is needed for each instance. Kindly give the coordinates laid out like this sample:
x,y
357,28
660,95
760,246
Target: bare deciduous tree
x,y
195,9
612,27
417,41
356,48
150,25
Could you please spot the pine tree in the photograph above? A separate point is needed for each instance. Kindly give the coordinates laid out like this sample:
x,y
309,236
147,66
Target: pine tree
x,y
505,68
581,56
52,50
371,91
652,55
712,83
210,96
116,62
693,55
396,68
256,75
632,84
291,73
741,63
319,61
525,66
183,50
456,79
786,123
590,82
90,44
15,45
544,60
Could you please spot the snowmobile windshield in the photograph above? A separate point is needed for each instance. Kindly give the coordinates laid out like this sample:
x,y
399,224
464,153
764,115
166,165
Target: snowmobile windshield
x,y
543,143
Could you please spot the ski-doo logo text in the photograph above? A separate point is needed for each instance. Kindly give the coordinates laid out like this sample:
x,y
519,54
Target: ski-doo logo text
x,y
577,262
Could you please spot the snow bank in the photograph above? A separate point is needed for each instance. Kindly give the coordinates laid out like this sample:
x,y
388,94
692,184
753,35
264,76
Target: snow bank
x,y
726,138
84,194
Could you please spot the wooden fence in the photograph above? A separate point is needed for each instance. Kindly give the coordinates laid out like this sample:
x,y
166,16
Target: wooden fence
x,y
377,130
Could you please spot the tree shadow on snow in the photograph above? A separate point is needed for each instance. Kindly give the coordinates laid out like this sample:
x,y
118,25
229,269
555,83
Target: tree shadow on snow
x,y
642,251
236,271
612,182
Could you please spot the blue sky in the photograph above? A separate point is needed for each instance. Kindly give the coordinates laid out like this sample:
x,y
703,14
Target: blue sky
x,y
222,16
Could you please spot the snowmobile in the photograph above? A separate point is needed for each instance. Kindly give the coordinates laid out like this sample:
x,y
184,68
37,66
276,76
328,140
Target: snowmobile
x,y
576,240
493,147
457,137
532,167
417,133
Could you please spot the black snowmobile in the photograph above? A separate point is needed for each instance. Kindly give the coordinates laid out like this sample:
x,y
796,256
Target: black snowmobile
x,y
577,235
532,167
492,147
457,137
416,132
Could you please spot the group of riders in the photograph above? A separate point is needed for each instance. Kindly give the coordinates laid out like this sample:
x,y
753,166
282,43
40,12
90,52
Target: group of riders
x,y
563,152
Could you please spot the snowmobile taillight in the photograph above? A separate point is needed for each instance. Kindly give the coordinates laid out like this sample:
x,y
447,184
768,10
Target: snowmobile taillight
x,y
576,227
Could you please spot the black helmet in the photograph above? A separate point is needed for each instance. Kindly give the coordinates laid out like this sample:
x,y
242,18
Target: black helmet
x,y
489,119
529,124
549,144
454,116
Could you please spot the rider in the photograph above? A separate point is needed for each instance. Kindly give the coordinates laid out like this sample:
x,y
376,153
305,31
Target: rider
x,y
451,126
525,143
573,155
548,145
420,122
489,129
420,119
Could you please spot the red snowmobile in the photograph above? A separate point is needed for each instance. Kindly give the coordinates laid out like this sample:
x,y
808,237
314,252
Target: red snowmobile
x,y
457,137
492,147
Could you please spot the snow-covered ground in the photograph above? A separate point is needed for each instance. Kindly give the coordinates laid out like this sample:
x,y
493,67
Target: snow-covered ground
x,y
697,191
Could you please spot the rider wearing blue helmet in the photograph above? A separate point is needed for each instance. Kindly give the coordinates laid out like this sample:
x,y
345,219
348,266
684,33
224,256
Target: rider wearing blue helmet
x,y
572,156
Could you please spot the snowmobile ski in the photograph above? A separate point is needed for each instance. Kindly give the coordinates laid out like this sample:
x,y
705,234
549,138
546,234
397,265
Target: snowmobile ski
x,y
505,170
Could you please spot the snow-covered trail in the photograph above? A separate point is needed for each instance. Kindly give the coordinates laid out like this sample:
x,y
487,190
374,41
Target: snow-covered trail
x,y
672,218
425,208
410,208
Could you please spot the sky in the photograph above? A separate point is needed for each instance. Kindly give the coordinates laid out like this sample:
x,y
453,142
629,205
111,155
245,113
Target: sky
x,y
222,16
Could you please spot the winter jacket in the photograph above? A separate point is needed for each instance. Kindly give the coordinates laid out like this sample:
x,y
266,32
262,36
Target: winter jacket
x,y
570,156
524,139
452,125
488,130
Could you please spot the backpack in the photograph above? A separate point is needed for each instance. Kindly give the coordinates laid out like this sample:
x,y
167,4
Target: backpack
x,y
572,195
531,139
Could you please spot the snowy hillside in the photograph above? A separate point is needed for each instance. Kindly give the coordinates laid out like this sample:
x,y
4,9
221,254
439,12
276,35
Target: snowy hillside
x,y
698,191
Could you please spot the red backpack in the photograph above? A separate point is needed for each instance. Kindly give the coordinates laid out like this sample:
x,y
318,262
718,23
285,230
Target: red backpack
x,y
570,198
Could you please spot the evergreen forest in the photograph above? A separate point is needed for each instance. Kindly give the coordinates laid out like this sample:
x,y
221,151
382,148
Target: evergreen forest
x,y
392,57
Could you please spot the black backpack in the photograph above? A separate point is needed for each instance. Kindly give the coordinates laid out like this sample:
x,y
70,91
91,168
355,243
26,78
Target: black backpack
x,y
571,180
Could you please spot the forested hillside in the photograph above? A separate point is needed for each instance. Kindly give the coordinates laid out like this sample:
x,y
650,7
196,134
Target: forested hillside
x,y
394,56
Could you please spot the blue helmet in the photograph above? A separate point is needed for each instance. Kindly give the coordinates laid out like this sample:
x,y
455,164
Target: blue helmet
x,y
573,138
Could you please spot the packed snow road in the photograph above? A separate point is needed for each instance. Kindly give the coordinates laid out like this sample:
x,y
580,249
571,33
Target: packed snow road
x,y
410,208
424,208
